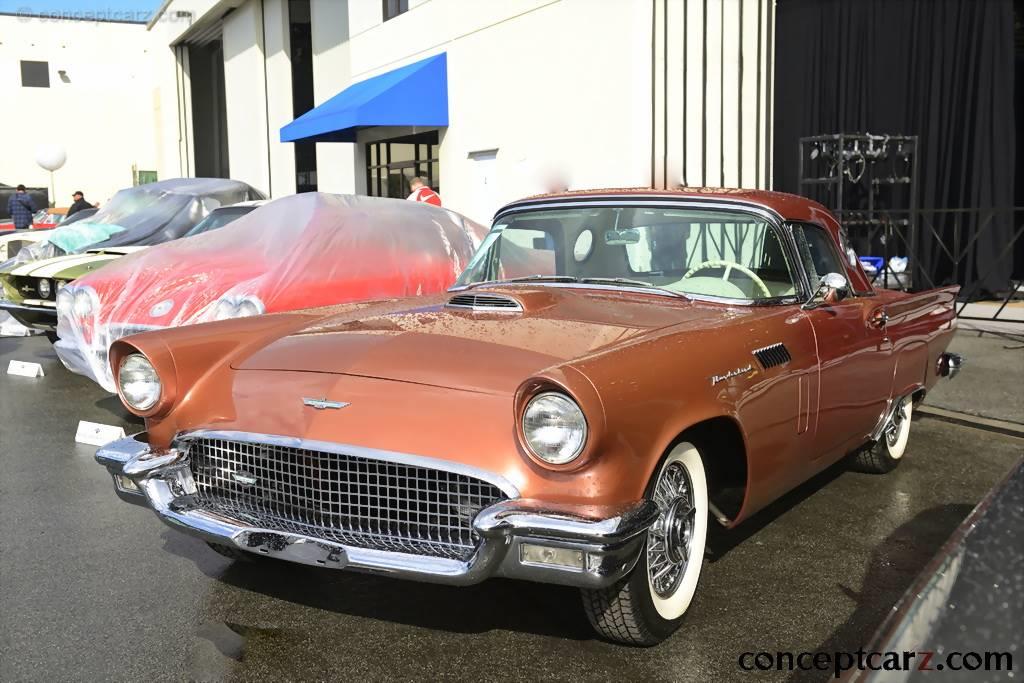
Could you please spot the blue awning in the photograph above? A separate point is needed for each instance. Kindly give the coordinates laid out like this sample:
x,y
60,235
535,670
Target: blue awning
x,y
414,95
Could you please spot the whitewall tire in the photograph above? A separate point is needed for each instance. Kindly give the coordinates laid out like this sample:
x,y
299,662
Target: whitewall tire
x,y
648,605
886,453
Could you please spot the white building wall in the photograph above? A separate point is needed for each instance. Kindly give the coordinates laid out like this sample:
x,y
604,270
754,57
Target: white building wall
x,y
279,90
336,168
537,89
103,111
245,96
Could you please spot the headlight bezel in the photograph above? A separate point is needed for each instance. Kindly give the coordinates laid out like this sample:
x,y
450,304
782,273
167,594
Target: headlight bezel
x,y
531,447
154,400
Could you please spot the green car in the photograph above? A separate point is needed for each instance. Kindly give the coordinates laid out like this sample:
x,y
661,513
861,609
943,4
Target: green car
x,y
29,290
133,219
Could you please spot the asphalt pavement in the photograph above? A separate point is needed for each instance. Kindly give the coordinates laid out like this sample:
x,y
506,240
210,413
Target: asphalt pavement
x,y
94,589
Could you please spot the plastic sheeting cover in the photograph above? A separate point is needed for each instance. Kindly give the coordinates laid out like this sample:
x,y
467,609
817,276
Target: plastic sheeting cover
x,y
297,252
141,216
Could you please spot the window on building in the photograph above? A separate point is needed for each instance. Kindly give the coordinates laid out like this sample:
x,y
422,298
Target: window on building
x,y
390,164
392,8
35,74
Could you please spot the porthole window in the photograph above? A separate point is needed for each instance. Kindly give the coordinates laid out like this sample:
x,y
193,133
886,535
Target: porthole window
x,y
583,246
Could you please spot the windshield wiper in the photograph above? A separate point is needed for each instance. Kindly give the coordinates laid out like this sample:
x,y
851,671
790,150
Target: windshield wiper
x,y
627,282
535,278
616,281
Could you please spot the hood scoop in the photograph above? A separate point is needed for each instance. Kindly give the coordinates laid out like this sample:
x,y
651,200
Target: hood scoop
x,y
485,303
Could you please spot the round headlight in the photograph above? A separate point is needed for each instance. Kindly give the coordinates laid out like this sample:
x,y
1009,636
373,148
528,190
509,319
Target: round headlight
x,y
224,310
138,382
555,428
65,302
43,287
83,304
248,307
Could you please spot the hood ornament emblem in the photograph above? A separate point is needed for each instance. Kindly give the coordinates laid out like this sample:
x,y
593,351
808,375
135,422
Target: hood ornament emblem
x,y
323,403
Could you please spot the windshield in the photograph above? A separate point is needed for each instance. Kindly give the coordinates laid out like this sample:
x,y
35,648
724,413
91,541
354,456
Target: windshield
x,y
726,254
219,218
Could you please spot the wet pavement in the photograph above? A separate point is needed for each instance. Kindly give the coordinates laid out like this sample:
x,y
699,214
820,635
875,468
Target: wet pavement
x,y
91,588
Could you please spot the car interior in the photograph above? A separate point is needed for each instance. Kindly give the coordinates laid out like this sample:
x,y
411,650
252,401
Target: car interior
x,y
723,254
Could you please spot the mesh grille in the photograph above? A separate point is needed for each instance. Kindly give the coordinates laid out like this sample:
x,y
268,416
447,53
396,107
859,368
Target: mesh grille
x,y
347,499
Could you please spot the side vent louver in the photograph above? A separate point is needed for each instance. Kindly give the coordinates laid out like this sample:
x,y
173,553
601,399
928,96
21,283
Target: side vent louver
x,y
491,303
770,356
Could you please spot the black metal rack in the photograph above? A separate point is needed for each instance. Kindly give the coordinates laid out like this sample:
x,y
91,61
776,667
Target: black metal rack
x,y
870,184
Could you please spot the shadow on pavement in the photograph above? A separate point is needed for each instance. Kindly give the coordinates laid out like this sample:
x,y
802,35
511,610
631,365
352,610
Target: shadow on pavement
x,y
893,566
500,604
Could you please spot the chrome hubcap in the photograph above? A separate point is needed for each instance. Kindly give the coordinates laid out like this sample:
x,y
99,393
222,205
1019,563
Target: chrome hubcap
x,y
892,430
671,537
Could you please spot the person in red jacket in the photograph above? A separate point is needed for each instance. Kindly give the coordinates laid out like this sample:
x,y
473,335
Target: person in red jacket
x,y
422,193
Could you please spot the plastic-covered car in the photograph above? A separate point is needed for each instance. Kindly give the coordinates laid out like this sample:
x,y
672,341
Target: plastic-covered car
x,y
135,218
302,251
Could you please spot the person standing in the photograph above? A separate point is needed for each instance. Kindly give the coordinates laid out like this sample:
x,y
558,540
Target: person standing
x,y
422,193
79,203
21,207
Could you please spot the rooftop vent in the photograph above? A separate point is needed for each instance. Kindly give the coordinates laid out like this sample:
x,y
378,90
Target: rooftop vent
x,y
491,303
770,356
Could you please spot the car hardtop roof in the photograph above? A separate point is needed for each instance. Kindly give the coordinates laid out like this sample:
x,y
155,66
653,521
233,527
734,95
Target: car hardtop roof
x,y
787,206
193,186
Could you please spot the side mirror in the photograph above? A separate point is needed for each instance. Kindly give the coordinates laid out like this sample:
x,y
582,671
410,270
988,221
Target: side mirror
x,y
831,289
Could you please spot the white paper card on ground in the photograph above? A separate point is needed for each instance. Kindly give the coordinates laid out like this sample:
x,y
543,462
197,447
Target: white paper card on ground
x,y
97,434
23,369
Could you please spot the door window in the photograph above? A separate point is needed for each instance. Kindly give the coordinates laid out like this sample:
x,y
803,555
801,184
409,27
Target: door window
x,y
817,251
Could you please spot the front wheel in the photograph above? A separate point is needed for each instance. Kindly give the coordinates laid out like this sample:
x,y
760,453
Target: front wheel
x,y
886,453
649,604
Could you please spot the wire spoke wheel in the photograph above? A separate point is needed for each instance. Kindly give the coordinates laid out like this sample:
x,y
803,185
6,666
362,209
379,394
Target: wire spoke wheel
x,y
892,430
671,537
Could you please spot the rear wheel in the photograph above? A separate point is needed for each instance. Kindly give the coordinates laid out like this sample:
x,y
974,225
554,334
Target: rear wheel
x,y
886,453
649,605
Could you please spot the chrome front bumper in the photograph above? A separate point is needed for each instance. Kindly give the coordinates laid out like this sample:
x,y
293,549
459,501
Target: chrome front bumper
x,y
606,546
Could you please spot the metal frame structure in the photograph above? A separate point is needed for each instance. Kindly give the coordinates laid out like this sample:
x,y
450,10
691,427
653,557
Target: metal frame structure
x,y
870,184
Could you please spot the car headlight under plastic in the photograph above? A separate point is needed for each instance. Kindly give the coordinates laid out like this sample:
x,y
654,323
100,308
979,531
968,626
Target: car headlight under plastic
x,y
43,287
83,305
231,307
65,302
138,382
554,427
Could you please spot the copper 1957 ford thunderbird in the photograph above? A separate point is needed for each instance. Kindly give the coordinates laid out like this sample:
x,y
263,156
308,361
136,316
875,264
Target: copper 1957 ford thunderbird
x,y
613,370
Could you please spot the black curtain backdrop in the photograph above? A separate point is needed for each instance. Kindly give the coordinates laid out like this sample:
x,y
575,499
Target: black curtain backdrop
x,y
939,69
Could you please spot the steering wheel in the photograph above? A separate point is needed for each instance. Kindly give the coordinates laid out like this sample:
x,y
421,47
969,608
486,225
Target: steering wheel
x,y
729,265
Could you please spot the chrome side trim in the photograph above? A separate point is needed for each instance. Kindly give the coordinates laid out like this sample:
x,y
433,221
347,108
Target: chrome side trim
x,y
506,487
